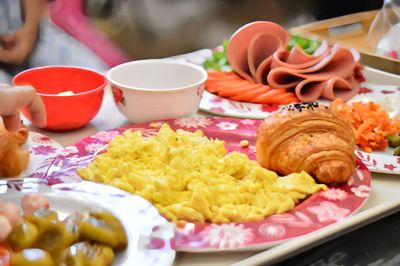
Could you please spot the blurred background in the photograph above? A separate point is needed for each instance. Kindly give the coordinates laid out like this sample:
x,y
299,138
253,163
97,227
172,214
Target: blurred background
x,y
161,28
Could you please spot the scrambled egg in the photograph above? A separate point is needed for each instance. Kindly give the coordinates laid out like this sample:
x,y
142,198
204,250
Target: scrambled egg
x,y
189,177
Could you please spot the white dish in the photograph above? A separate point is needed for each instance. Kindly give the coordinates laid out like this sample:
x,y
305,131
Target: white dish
x,y
146,90
150,236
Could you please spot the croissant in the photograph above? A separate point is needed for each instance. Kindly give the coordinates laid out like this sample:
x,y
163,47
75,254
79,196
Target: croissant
x,y
307,137
14,157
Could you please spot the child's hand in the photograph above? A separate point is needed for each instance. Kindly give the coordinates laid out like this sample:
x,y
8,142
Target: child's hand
x,y
16,47
13,99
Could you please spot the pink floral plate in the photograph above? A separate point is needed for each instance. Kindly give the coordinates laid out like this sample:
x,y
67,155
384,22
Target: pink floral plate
x,y
314,213
42,152
150,236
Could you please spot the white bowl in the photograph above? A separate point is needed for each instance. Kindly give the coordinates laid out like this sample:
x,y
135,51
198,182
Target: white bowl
x,y
147,90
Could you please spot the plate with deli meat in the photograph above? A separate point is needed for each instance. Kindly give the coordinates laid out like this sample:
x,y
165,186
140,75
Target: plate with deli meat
x,y
80,224
262,68
230,183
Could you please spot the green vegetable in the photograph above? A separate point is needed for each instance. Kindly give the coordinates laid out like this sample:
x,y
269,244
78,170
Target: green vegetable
x,y
309,45
396,151
394,141
219,59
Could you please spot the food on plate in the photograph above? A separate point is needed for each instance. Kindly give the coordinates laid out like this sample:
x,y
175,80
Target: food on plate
x,y
230,85
32,257
11,211
370,122
4,256
86,237
85,253
394,141
14,156
307,137
6,228
34,201
396,151
191,178
266,56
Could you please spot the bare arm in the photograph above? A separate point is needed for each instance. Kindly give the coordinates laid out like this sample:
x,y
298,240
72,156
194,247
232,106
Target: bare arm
x,y
16,47
33,11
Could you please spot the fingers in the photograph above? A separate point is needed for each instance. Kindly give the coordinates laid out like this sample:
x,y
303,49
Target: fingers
x,y
18,98
37,110
12,122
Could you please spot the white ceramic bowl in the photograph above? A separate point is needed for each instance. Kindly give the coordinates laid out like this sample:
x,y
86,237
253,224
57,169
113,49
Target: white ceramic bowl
x,y
147,90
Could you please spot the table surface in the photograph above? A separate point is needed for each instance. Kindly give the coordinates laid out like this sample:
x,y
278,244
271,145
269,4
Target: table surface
x,y
385,186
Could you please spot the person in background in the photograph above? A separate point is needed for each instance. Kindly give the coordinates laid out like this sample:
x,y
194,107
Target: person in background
x,y
13,99
29,39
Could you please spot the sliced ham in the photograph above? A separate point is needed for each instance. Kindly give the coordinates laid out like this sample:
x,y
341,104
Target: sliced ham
x,y
310,90
296,58
258,53
238,45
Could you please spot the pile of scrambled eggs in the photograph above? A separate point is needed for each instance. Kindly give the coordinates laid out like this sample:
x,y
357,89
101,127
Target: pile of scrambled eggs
x,y
191,178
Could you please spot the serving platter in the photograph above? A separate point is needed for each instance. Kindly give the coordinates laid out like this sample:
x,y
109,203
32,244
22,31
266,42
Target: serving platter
x,y
314,213
150,236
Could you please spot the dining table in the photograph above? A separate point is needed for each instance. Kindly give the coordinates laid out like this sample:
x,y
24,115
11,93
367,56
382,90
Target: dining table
x,y
383,201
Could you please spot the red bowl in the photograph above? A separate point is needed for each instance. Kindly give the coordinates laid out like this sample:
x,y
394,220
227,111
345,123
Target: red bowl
x,y
65,112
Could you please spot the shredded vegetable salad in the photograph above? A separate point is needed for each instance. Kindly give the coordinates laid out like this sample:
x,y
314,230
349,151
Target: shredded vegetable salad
x,y
371,123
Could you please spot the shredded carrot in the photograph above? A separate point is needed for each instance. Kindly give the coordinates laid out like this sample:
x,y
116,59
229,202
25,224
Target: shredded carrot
x,y
370,122
230,85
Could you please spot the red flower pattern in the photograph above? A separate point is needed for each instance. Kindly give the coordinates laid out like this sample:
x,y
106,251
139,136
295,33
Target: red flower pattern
x,y
387,91
118,95
269,108
390,167
364,90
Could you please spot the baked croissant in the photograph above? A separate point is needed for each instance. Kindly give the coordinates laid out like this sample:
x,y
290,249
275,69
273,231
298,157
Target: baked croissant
x,y
307,137
14,157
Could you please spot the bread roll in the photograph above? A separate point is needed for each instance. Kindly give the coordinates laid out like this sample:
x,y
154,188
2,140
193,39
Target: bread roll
x,y
307,137
14,156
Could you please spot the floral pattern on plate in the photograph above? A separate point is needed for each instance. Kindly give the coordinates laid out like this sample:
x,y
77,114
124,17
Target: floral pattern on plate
x,y
150,236
42,152
316,212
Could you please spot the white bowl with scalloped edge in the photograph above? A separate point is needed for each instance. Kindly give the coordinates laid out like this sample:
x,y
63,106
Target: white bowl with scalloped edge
x,y
154,89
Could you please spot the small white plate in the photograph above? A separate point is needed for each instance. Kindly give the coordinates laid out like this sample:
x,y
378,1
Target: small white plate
x,y
150,236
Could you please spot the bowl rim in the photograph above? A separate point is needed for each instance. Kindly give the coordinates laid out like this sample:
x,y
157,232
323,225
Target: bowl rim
x,y
99,88
158,61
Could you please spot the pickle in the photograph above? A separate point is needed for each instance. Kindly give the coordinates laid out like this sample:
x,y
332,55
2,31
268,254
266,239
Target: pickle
x,y
87,254
394,141
23,236
32,257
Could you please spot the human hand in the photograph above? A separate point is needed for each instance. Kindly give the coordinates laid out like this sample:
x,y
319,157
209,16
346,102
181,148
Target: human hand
x,y
12,99
15,47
